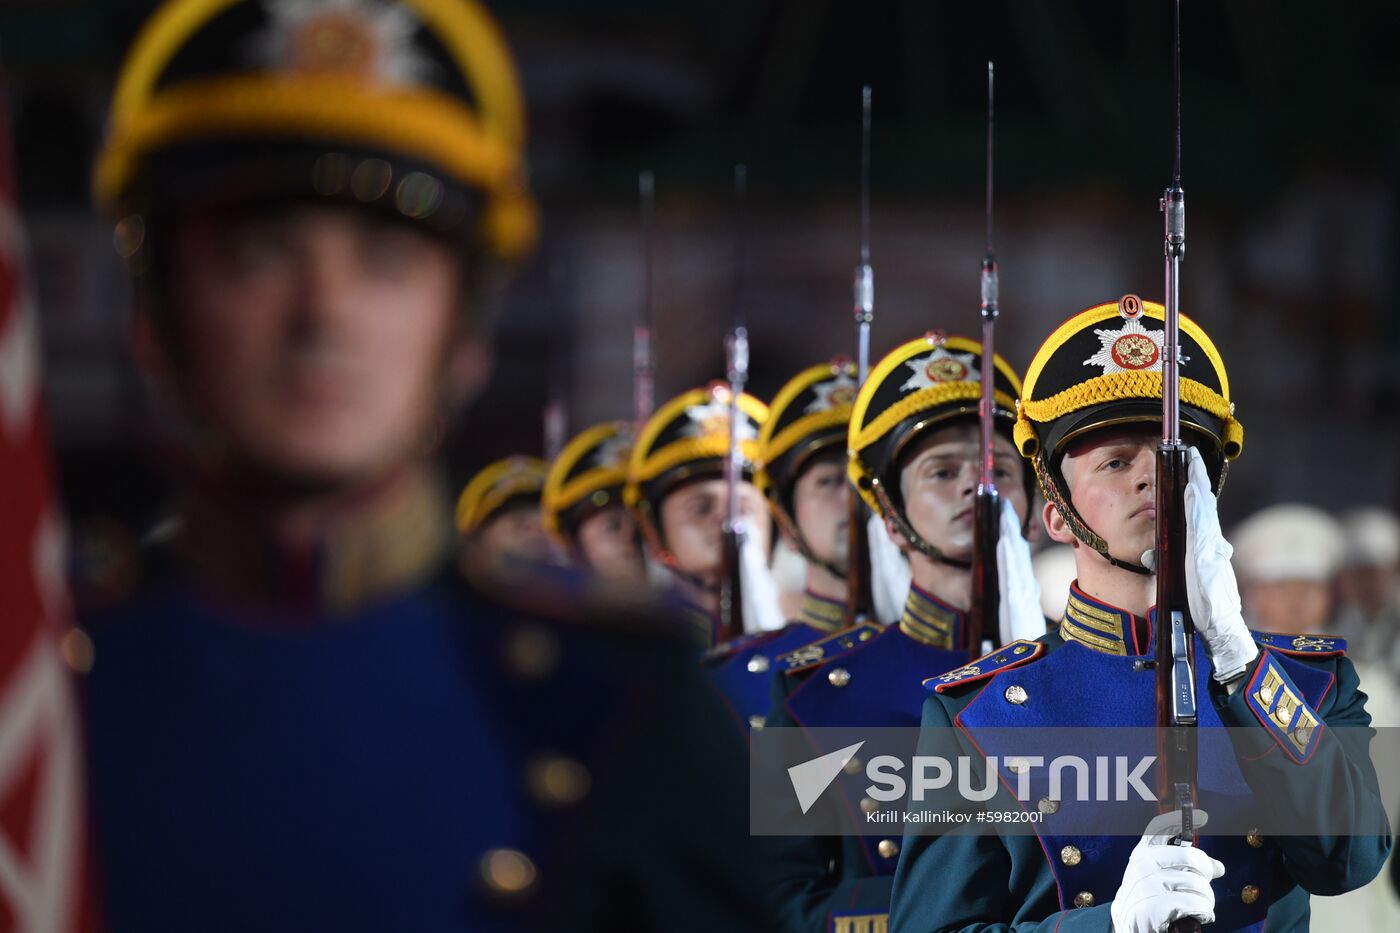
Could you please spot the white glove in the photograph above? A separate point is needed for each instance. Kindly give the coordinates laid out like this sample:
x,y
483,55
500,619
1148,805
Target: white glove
x,y
1211,590
1164,881
1018,609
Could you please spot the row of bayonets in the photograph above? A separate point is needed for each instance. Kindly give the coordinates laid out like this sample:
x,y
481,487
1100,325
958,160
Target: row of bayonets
x,y
1173,660
1173,643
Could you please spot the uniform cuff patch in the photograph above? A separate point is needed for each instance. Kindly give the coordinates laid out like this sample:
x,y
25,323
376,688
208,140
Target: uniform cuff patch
x,y
859,923
1280,708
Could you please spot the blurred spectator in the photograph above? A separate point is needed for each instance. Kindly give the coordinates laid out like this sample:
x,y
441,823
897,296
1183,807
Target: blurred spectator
x,y
1286,557
1368,586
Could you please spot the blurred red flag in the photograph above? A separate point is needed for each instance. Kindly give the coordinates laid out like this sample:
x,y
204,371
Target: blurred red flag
x,y
45,884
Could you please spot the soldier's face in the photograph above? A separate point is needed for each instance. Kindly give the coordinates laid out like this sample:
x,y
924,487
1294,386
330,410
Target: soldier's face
x,y
516,533
821,504
692,524
610,546
1112,480
312,339
939,484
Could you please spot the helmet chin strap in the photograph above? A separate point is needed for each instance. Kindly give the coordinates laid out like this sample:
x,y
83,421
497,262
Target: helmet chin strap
x,y
803,548
1051,490
913,537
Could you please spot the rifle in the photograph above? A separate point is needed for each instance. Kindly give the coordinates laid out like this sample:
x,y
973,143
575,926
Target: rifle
x,y
982,620
1174,643
736,347
643,371
860,601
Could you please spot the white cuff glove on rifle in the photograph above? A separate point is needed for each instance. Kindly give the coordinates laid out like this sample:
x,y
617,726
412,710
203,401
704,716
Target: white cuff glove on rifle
x,y
1018,609
1211,590
1164,881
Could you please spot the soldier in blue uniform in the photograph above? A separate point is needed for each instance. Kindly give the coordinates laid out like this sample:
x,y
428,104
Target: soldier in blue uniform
x,y
305,717
1089,420
582,503
676,490
498,513
914,442
802,447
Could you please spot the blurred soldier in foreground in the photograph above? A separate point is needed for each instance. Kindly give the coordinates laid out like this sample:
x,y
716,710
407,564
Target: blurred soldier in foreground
x,y
914,444
306,718
676,490
1089,418
582,506
498,514
802,446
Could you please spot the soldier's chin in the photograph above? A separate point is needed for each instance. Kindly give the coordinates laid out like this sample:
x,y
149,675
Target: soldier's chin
x,y
301,466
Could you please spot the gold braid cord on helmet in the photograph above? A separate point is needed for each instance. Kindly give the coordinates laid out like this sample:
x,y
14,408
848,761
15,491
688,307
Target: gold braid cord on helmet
x,y
586,476
494,486
397,105
686,438
810,415
1102,369
919,386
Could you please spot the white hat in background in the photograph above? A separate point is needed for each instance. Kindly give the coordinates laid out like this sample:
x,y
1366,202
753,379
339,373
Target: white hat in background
x,y
1372,537
1288,542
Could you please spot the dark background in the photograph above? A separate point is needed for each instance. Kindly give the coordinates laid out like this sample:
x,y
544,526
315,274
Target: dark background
x,y
1292,120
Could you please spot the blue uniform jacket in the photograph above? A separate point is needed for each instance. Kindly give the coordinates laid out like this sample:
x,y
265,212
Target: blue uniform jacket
x,y
441,760
1084,676
870,676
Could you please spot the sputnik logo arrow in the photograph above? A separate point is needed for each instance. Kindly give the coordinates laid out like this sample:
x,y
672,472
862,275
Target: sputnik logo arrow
x,y
810,778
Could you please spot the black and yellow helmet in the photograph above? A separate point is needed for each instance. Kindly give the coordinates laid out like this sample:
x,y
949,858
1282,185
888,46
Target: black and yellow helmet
x,y
1103,367
513,481
411,106
685,439
586,477
922,384
809,415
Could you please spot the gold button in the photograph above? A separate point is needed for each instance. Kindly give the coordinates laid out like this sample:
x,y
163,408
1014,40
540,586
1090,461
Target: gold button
x,y
1016,694
866,634
853,766
557,781
1250,893
1255,840
1266,693
757,722
1047,806
758,664
1071,856
532,653
887,848
77,650
508,872
839,677
868,806
1020,649
1084,899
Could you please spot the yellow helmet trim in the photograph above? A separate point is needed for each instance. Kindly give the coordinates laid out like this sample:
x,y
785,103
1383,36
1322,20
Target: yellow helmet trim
x,y
481,149
489,489
559,495
774,446
1120,386
646,464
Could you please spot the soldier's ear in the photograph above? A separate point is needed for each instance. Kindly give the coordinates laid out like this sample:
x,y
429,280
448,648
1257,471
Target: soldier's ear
x,y
899,540
1055,525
